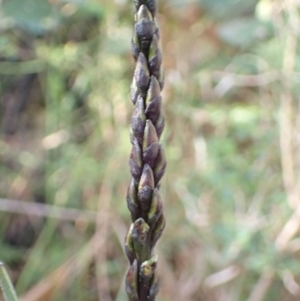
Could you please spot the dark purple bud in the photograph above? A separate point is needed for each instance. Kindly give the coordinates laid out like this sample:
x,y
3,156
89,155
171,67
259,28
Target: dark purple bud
x,y
143,13
138,120
141,76
155,210
145,188
135,161
150,135
150,154
153,91
129,245
155,57
144,28
153,100
132,202
150,144
131,282
139,231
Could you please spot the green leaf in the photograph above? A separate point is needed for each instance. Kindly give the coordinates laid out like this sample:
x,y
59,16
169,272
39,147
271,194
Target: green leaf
x,y
6,285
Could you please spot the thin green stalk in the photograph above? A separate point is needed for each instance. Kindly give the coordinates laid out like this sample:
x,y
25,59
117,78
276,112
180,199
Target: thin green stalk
x,y
6,285
147,159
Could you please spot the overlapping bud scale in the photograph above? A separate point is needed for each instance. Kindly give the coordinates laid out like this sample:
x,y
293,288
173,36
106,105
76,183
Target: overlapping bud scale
x,y
147,160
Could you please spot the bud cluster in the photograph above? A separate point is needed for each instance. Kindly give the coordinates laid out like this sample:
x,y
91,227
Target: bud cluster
x,y
147,159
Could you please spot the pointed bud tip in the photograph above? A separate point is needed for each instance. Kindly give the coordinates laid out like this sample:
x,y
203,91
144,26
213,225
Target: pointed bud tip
x,y
147,178
150,135
154,89
144,13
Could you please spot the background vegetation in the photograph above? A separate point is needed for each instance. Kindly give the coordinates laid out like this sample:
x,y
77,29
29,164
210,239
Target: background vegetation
x,y
231,191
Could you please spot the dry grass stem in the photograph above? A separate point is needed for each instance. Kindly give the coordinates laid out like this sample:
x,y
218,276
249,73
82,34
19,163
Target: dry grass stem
x,y
49,211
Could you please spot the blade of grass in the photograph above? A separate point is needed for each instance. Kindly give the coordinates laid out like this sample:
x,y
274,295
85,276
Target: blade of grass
x,y
66,272
44,210
6,285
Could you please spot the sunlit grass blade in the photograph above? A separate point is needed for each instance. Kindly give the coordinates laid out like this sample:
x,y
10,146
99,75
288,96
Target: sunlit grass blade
x,y
6,285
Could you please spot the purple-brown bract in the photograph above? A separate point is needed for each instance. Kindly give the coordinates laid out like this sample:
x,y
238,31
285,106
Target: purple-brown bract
x,y
147,160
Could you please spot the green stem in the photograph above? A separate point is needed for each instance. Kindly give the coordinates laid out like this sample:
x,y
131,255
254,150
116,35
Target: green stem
x,y
6,285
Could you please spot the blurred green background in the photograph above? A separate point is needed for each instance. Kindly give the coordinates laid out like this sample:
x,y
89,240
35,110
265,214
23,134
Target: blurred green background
x,y
231,191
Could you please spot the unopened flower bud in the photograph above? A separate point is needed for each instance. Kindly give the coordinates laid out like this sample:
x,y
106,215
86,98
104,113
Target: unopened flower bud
x,y
155,210
153,100
155,57
129,245
135,161
141,76
145,188
131,282
139,238
145,27
138,120
132,202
